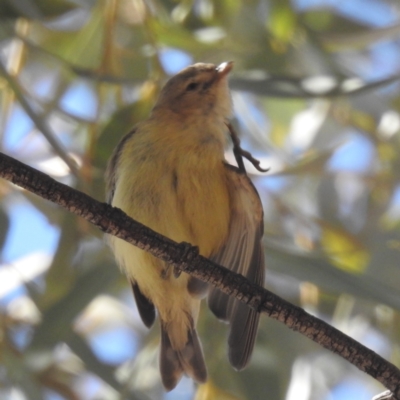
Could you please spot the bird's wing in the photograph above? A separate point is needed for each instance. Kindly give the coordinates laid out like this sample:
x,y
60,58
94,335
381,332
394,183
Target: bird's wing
x,y
243,254
111,174
145,306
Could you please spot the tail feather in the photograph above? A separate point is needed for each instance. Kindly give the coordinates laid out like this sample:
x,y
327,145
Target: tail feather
x,y
174,363
170,366
242,335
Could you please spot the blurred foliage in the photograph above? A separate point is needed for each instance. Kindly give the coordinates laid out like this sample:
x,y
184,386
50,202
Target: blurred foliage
x,y
317,100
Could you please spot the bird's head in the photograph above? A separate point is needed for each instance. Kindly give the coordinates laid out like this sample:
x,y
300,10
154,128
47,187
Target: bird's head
x,y
198,90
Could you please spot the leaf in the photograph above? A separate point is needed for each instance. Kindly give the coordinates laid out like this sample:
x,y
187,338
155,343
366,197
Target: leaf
x,y
17,371
81,47
282,21
60,277
57,321
174,35
343,249
122,122
39,9
312,163
85,353
362,38
54,8
312,268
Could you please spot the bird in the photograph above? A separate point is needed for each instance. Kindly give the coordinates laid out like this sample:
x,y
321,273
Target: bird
x,y
170,174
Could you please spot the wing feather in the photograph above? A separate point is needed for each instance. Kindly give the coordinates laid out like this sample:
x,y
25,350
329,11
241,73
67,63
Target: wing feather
x,y
243,254
111,175
145,306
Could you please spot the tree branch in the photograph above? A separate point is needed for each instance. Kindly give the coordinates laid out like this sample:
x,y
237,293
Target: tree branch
x,y
186,258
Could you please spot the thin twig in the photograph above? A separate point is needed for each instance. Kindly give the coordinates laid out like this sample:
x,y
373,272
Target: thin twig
x,y
40,124
292,88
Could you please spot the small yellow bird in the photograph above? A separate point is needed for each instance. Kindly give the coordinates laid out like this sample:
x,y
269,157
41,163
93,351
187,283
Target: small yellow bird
x,y
169,173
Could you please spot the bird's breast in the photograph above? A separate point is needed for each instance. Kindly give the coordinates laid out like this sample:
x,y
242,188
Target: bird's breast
x,y
181,193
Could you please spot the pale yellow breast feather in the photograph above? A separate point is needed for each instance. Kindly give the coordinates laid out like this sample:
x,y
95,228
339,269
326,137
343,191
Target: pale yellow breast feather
x,y
175,185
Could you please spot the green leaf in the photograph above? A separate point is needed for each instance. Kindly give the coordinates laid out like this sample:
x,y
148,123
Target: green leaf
x,y
282,21
121,123
344,250
57,321
35,9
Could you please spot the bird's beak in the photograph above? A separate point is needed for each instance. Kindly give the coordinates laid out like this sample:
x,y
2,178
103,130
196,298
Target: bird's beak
x,y
224,69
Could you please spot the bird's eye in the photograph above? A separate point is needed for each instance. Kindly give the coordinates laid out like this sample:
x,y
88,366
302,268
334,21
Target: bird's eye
x,y
192,86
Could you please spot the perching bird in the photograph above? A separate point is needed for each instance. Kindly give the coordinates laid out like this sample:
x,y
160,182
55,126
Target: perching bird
x,y
169,173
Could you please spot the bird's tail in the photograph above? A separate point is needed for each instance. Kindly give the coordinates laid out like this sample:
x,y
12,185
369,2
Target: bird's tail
x,y
188,359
